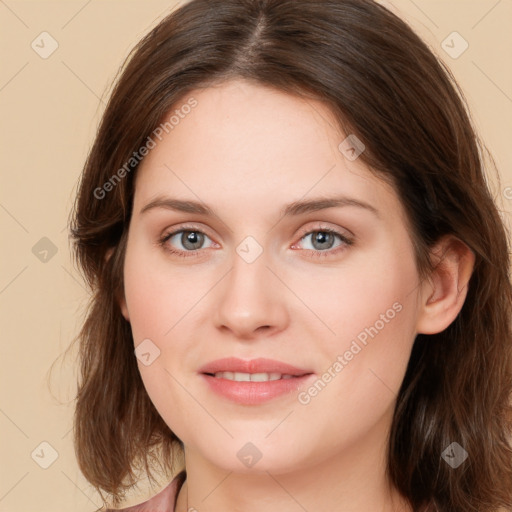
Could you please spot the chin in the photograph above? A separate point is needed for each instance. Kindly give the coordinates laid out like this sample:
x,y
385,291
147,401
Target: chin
x,y
248,457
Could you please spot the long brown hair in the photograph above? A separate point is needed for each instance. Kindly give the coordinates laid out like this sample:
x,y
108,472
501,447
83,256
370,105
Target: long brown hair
x,y
385,86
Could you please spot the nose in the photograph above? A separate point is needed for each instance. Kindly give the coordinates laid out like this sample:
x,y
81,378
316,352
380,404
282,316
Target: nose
x,y
251,301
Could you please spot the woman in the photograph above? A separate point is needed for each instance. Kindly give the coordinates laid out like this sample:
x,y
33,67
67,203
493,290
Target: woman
x,y
300,277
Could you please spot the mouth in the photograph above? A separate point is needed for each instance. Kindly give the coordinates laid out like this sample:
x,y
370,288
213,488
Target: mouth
x,y
253,382
252,377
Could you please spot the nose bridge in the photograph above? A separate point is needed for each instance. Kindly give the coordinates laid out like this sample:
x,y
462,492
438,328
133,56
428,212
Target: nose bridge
x,y
249,297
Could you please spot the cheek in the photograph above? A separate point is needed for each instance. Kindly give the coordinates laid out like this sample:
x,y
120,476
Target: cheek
x,y
372,298
371,311
157,296
160,302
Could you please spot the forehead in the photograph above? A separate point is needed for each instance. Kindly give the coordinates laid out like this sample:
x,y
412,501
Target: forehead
x,y
256,146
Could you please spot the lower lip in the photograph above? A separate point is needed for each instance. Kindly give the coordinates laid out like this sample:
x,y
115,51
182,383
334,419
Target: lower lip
x,y
253,393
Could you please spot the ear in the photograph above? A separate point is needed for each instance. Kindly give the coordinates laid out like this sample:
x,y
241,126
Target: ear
x,y
121,300
443,295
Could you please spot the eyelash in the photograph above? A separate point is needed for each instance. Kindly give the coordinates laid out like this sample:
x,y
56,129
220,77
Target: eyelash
x,y
315,253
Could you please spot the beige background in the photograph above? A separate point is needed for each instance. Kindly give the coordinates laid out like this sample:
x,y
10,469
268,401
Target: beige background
x,y
49,110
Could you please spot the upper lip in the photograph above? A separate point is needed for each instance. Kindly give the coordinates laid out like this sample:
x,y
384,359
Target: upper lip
x,y
260,365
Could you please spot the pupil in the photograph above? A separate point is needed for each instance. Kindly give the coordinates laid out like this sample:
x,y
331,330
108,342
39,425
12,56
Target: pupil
x,y
192,238
323,237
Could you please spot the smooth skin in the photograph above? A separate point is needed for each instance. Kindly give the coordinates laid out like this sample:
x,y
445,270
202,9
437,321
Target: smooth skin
x,y
247,151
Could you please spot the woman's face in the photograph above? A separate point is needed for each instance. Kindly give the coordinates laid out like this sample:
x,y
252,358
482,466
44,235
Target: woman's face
x,y
249,281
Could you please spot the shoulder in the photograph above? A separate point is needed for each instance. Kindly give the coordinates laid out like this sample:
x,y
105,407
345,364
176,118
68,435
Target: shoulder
x,y
164,501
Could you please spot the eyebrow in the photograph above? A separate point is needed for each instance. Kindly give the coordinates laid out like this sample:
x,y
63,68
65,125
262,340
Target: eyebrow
x,y
293,209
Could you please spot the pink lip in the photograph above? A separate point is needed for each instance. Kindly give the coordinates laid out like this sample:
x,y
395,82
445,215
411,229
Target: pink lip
x,y
253,393
260,365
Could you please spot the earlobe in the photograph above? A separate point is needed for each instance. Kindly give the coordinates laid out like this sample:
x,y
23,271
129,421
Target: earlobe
x,y
122,300
443,296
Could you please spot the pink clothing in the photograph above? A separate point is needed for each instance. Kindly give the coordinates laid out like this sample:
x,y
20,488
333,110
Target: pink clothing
x,y
164,501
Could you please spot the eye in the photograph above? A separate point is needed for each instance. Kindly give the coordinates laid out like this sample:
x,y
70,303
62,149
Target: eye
x,y
190,239
322,242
